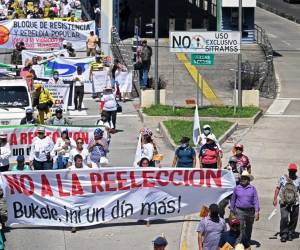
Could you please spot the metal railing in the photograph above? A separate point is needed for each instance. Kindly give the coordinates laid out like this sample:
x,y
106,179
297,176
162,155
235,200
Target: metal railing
x,y
267,84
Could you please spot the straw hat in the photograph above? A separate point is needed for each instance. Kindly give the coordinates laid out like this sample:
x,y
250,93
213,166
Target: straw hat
x,y
247,174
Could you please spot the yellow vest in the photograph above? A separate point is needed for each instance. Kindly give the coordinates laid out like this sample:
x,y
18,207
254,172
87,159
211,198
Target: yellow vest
x,y
96,66
45,96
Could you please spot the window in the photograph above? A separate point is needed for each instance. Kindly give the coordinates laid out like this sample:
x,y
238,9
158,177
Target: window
x,y
13,96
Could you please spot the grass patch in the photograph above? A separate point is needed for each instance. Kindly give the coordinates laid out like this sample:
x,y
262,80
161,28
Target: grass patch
x,y
178,128
207,111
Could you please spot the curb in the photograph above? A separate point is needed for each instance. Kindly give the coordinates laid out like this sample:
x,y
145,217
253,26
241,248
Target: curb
x,y
169,141
278,12
240,121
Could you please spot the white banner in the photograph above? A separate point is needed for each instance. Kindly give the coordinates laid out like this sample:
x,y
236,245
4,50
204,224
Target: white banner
x,y
40,33
60,93
73,198
20,137
205,42
41,55
125,81
100,80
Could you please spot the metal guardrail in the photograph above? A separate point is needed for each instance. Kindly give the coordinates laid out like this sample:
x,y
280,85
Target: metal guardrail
x,y
267,83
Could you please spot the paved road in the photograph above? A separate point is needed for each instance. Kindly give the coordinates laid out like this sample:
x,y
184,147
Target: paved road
x,y
291,9
274,141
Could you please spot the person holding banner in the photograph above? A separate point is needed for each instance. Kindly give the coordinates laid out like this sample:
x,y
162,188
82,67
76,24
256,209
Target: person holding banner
x,y
5,152
80,150
61,150
41,148
55,79
28,119
98,148
79,89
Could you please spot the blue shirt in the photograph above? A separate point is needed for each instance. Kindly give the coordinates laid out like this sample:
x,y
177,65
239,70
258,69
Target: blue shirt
x,y
185,157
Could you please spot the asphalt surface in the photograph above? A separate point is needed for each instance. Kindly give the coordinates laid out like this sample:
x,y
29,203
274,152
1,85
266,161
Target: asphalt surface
x,y
291,9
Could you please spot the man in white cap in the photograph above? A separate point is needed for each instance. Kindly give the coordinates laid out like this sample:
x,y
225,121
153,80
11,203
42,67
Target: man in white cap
x,y
41,148
207,131
5,152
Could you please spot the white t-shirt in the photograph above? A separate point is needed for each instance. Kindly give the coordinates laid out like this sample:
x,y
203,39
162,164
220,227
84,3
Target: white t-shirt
x,y
74,168
148,151
84,153
80,81
110,103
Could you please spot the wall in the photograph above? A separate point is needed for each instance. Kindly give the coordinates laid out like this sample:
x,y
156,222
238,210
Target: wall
x,y
235,3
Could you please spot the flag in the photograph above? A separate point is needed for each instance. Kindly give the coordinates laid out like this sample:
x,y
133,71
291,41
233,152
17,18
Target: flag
x,y
138,152
196,128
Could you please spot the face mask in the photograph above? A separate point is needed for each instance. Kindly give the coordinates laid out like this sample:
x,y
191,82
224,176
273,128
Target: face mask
x,y
206,131
184,145
55,77
292,175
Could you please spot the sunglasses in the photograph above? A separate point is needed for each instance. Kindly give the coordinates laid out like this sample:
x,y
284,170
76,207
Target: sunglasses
x,y
239,149
79,142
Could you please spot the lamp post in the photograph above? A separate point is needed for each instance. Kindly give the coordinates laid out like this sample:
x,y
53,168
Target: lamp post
x,y
240,55
157,98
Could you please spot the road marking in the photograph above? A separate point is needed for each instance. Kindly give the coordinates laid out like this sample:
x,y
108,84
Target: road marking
x,y
184,245
278,107
282,116
287,43
207,91
272,35
289,98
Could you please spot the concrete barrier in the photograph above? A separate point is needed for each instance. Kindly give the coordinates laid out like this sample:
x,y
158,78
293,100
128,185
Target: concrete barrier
x,y
148,97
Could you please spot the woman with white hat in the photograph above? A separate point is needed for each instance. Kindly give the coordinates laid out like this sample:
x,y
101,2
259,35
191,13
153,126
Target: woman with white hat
x,y
108,105
209,156
5,153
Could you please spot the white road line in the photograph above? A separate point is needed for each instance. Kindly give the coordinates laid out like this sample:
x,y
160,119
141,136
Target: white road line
x,y
282,116
272,35
287,43
289,98
278,107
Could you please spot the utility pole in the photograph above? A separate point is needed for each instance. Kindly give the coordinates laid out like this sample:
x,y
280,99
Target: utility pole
x,y
157,97
240,55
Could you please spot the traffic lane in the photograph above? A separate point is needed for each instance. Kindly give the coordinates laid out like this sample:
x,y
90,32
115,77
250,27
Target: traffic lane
x,y
292,9
283,34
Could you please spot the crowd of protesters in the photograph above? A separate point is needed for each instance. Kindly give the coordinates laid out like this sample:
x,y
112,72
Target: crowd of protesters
x,y
16,9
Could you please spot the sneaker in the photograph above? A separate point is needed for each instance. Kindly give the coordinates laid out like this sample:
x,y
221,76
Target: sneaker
x,y
283,238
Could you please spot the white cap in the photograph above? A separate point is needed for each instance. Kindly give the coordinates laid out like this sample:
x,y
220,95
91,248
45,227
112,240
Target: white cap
x,y
206,126
211,137
64,42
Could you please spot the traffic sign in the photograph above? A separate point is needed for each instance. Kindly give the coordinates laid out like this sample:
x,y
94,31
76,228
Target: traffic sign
x,y
202,59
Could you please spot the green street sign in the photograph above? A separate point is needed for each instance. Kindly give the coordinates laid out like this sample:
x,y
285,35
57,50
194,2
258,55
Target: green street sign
x,y
202,59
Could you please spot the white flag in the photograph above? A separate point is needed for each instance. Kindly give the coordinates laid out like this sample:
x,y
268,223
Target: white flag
x,y
196,128
138,152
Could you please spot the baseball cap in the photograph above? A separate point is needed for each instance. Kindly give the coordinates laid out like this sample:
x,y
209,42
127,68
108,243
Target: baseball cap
x,y
160,241
293,166
206,126
29,111
59,110
37,86
20,158
41,129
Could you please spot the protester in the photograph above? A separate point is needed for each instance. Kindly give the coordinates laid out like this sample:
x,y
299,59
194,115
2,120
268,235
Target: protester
x,y
232,238
79,89
41,148
61,150
160,243
146,55
21,165
28,73
91,44
80,150
232,166
185,155
108,105
71,51
243,160
207,131
115,84
43,100
148,148
210,229
78,163
144,162
59,119
98,148
5,152
96,66
288,188
28,119
245,205
55,79
209,156
103,122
